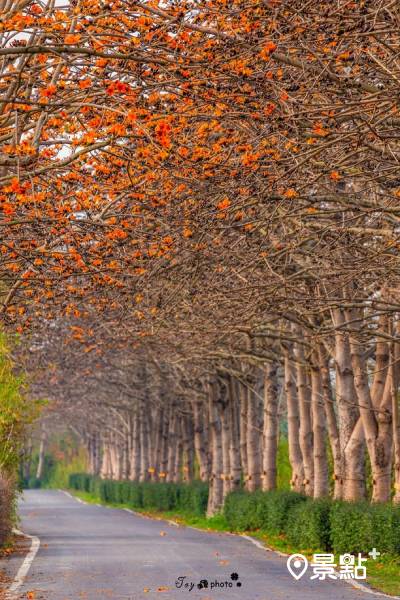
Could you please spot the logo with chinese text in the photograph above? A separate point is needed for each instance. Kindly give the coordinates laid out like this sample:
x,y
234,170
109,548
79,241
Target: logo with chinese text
x,y
324,566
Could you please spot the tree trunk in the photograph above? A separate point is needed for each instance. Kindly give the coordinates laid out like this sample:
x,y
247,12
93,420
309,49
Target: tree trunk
x,y
333,430
135,448
159,425
224,417
126,454
295,455
105,471
270,430
234,450
394,370
42,451
178,453
243,429
144,445
321,487
114,459
188,448
378,428
306,432
172,444
200,442
253,442
351,434
164,448
215,497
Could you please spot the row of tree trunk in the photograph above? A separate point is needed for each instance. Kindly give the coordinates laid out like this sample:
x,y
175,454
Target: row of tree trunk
x,y
338,401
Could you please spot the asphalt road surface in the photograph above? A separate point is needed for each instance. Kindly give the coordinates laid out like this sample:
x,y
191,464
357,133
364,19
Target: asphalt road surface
x,y
90,552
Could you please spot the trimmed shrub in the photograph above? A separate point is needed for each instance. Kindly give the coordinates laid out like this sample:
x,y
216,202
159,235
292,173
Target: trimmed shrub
x,y
386,527
260,510
359,527
276,508
135,498
161,496
351,527
193,498
308,524
240,510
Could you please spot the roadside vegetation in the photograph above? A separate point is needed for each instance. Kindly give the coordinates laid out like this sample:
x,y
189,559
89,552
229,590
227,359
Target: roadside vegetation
x,y
281,519
16,412
49,465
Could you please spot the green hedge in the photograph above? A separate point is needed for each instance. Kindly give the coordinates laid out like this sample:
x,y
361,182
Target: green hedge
x,y
260,510
308,524
191,498
359,527
316,524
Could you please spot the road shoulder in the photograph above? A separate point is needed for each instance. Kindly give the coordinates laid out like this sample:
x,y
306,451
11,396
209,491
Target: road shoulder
x,y
11,561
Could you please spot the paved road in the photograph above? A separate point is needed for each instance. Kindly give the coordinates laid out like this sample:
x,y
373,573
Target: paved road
x,y
94,553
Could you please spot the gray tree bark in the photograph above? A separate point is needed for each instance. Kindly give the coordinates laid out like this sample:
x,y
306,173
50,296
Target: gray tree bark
x,y
271,425
295,455
321,487
253,440
306,432
215,497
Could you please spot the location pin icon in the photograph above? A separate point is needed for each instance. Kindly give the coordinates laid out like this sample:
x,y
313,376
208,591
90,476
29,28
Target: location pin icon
x,y
297,565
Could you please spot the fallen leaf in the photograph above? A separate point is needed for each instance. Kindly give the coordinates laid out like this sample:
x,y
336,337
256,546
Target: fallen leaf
x,y
162,533
224,562
163,588
146,590
30,595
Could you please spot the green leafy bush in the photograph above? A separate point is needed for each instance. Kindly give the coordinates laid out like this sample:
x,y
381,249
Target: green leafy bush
x,y
277,506
16,413
193,498
80,481
190,498
386,527
308,524
240,510
260,510
359,527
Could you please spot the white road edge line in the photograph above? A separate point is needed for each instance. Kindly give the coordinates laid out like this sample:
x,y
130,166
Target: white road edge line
x,y
354,584
260,545
73,497
173,523
24,568
132,512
